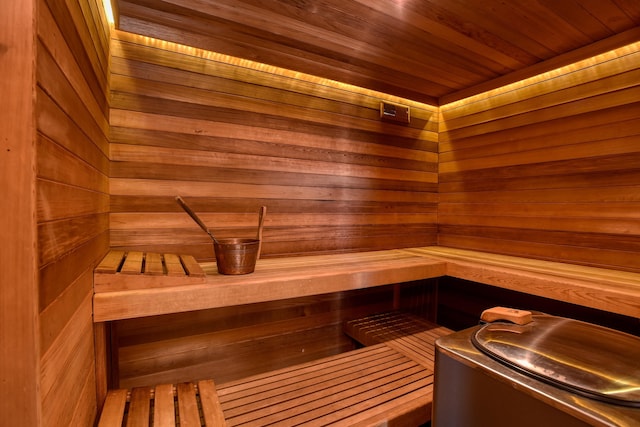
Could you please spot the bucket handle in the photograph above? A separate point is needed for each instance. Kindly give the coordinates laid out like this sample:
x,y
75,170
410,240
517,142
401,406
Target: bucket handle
x,y
263,212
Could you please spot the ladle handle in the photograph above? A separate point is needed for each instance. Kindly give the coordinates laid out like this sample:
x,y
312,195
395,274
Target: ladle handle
x,y
193,215
263,212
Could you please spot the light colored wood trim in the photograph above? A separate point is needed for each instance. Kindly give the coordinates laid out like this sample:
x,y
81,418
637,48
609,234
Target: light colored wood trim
x,y
19,352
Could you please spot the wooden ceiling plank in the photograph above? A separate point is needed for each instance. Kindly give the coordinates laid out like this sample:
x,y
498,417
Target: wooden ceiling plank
x,y
605,45
425,50
611,15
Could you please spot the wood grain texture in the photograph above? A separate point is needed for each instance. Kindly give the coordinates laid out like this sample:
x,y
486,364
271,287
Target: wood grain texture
x,y
19,374
610,290
425,50
273,279
373,386
71,130
229,137
547,169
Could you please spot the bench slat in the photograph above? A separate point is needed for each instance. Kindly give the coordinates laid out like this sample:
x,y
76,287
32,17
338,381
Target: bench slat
x,y
139,407
164,408
211,408
133,263
113,410
110,263
191,266
153,264
188,405
174,265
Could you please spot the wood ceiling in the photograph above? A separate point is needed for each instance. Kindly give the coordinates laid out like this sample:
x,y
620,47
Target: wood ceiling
x,y
432,51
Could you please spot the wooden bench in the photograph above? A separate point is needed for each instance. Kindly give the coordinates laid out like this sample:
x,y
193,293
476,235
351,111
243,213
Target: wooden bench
x,y
375,385
121,296
406,333
137,294
600,288
339,389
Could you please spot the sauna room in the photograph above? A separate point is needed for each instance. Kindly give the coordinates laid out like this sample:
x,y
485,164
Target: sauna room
x,y
292,212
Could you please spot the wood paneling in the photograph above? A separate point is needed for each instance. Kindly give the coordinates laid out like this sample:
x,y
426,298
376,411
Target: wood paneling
x,y
418,49
19,358
548,168
72,58
230,136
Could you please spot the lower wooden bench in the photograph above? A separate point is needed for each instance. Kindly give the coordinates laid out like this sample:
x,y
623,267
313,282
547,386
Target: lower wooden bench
x,y
408,334
375,385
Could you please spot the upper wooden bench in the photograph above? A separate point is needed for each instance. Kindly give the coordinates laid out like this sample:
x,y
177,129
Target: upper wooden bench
x,y
604,289
120,295
137,292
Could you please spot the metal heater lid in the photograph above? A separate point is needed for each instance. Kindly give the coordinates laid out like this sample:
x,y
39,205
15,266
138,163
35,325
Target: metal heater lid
x,y
587,359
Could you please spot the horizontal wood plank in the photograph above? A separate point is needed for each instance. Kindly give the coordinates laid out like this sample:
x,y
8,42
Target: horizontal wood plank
x,y
314,152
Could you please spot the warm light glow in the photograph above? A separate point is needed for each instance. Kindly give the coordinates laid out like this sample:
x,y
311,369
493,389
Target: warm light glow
x,y
564,71
271,69
108,11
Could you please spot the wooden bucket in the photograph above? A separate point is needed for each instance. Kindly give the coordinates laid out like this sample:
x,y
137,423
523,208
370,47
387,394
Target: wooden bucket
x,y
236,256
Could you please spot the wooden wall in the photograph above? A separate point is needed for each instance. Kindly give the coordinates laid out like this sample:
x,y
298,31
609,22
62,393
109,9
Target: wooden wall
x,y
230,137
548,168
72,164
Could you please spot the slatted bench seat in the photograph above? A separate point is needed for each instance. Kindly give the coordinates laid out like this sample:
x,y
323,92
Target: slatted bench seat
x,y
184,404
408,334
375,385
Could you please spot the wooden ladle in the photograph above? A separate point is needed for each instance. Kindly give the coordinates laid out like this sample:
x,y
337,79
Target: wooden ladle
x,y
195,217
